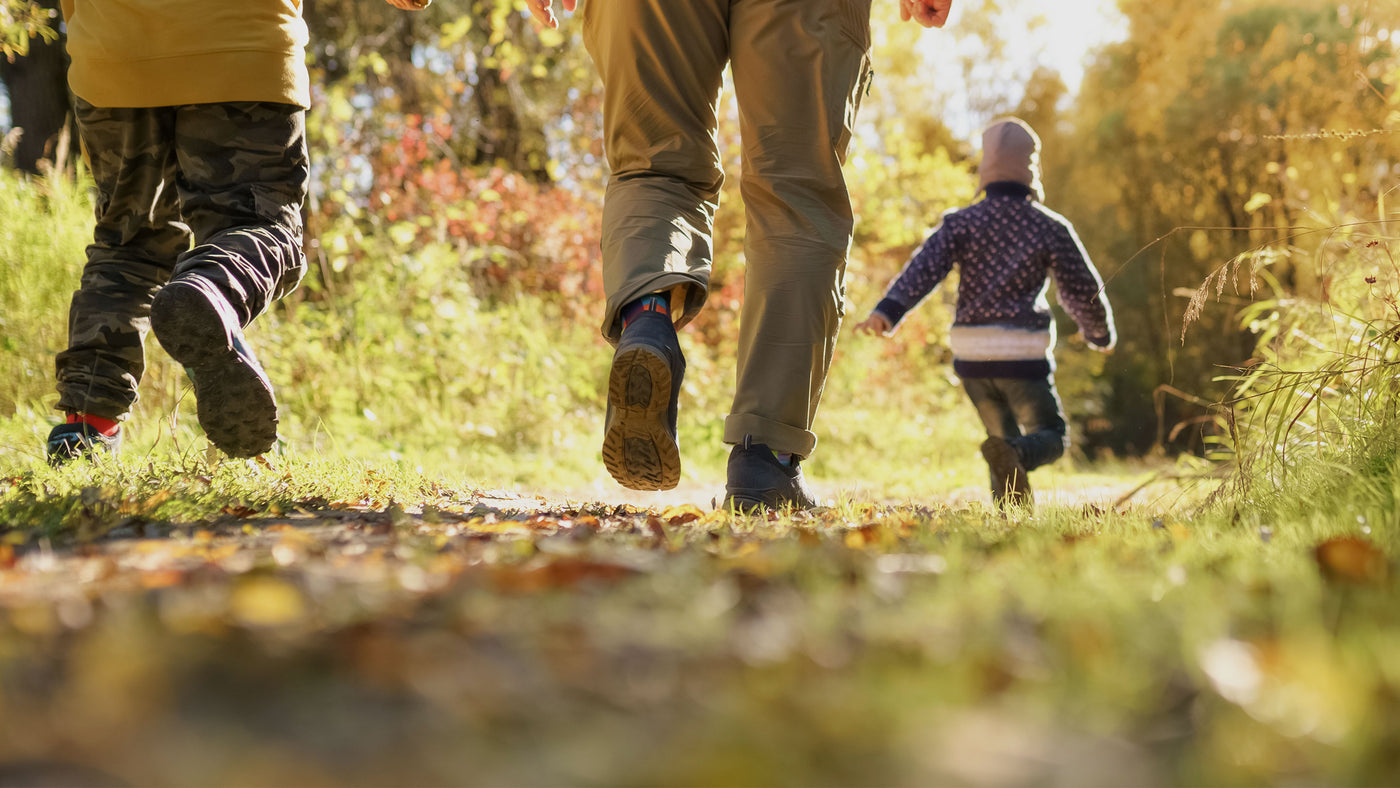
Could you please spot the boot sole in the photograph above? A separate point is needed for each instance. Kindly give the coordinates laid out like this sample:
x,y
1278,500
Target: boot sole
x,y
234,399
638,448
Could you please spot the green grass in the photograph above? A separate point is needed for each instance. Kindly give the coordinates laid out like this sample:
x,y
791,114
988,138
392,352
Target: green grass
x,y
862,645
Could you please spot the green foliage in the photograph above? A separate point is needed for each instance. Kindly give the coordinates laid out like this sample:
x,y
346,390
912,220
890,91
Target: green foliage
x,y
44,226
1316,412
1213,130
20,21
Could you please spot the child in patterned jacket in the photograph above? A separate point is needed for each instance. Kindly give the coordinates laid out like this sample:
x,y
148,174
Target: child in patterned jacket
x,y
1007,248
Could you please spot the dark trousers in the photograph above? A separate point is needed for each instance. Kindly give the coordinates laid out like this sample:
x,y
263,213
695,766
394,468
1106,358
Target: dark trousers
x,y
232,177
1024,412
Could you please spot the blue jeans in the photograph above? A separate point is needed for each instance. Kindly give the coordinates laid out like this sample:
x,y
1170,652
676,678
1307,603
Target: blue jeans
x,y
1024,412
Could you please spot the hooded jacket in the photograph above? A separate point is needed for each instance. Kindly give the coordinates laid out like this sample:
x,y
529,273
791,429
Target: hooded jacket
x,y
159,53
1007,247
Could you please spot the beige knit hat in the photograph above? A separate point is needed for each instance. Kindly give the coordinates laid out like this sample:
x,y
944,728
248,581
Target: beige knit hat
x,y
1011,152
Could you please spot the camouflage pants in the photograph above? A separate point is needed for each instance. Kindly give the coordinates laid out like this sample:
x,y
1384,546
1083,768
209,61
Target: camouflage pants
x,y
232,177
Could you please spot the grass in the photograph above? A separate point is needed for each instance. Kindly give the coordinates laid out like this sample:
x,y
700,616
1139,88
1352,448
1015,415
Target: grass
x,y
435,635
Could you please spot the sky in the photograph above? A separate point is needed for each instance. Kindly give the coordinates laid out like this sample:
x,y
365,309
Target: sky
x,y
1072,30
1055,33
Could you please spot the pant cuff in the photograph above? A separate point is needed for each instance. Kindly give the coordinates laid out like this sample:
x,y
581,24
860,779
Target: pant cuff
x,y
696,291
775,435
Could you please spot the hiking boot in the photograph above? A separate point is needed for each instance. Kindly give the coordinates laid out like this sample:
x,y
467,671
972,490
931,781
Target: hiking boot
x,y
640,448
758,481
197,326
78,441
1010,483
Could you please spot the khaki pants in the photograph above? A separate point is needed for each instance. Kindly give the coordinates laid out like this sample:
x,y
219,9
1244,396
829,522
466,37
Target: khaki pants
x,y
800,70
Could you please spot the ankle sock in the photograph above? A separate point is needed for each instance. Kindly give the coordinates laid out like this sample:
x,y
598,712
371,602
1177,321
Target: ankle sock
x,y
108,427
784,458
655,302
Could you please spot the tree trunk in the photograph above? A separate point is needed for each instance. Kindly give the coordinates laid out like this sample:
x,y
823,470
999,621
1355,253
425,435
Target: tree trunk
x,y
39,104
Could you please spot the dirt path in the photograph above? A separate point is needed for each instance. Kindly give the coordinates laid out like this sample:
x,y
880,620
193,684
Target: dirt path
x,y
271,566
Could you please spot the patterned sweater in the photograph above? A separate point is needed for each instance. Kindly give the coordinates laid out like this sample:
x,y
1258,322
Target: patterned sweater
x,y
1007,247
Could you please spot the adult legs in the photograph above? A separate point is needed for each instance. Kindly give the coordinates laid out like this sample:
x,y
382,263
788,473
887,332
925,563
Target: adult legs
x,y
662,64
800,69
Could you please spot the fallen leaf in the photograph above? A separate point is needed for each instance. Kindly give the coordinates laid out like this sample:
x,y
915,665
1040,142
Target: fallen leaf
x,y
162,578
654,525
266,602
1351,559
682,514
558,573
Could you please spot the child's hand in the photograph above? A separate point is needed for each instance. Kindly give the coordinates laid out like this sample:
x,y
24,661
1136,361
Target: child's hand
x,y
543,10
929,13
875,324
409,5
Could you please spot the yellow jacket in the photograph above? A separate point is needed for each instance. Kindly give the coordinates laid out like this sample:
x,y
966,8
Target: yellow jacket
x,y
159,53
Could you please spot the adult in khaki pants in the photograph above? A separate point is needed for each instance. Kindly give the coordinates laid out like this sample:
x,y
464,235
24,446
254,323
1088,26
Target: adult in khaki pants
x,y
800,70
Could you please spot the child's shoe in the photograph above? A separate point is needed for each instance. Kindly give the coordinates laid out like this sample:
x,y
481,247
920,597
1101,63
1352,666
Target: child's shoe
x,y
1010,483
197,326
640,447
758,481
79,441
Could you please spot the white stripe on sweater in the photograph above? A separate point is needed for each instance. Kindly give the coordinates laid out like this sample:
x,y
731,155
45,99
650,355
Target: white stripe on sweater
x,y
1000,343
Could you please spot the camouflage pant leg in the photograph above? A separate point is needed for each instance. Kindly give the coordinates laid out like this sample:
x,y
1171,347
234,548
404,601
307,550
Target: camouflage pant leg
x,y
136,241
235,173
243,179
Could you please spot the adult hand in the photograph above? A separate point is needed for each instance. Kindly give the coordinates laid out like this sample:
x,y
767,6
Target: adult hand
x,y
543,10
929,13
409,5
875,324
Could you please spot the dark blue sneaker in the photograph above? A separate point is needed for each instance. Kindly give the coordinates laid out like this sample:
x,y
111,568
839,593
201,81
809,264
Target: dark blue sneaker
x,y
640,447
757,481
196,325
68,442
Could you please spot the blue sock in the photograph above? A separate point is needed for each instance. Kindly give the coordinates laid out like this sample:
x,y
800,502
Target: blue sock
x,y
784,457
655,302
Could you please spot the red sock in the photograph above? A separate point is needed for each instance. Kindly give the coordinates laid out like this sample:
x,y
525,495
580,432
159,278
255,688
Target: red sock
x,y
107,427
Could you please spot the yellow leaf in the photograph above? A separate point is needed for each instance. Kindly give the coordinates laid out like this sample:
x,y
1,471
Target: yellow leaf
x,y
1256,201
267,602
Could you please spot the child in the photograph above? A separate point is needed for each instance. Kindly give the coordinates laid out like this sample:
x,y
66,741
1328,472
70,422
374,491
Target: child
x,y
192,119
1006,248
